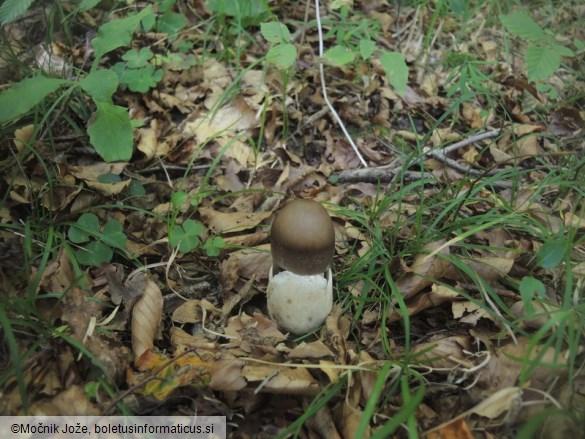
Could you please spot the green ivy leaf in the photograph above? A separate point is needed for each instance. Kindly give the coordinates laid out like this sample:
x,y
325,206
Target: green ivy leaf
x,y
275,32
22,97
339,56
396,70
523,26
111,133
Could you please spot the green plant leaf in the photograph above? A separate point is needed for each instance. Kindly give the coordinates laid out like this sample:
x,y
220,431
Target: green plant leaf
x,y
563,51
117,33
100,84
179,61
111,133
275,32
193,228
143,79
87,225
212,246
113,234
94,253
170,23
541,62
252,11
531,288
367,48
282,55
396,70
179,199
109,178
523,26
339,55
138,58
23,96
136,189
86,5
186,236
551,253
13,9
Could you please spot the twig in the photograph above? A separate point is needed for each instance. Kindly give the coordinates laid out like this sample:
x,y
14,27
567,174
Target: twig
x,y
470,140
389,172
324,88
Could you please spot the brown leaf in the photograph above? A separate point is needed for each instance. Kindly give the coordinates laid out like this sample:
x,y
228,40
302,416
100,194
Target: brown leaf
x,y
70,402
424,270
146,316
228,222
315,349
226,375
456,429
282,380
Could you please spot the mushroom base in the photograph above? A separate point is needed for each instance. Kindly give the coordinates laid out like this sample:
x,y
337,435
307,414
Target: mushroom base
x,y
299,304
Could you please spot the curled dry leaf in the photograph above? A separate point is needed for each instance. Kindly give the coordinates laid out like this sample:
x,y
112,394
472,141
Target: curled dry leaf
x,y
146,317
281,380
424,269
508,400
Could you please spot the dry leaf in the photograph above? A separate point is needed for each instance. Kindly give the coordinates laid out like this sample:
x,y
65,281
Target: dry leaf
x,y
282,380
146,316
424,270
229,222
456,429
508,400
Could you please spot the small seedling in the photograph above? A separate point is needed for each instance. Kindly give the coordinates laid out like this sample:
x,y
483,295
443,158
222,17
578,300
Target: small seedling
x,y
98,243
543,54
186,236
282,53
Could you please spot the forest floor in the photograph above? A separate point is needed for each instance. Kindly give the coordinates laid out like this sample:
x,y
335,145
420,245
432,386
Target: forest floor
x,y
146,145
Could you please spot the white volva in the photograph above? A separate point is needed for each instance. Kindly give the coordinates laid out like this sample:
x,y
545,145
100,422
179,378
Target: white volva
x,y
299,304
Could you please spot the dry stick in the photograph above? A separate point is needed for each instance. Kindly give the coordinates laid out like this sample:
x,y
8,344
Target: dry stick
x,y
324,88
388,173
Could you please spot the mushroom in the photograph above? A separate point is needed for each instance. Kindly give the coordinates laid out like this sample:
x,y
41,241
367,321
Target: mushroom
x,y
300,292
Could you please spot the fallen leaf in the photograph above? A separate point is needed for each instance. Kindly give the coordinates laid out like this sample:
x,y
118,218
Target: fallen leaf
x,y
146,317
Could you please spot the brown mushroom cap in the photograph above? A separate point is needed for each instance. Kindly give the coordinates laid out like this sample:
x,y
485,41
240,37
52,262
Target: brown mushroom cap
x,y
303,239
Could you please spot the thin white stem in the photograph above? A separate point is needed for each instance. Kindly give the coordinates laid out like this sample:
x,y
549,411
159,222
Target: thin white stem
x,y
324,88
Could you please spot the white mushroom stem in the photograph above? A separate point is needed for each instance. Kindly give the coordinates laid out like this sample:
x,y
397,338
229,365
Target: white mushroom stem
x,y
299,304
